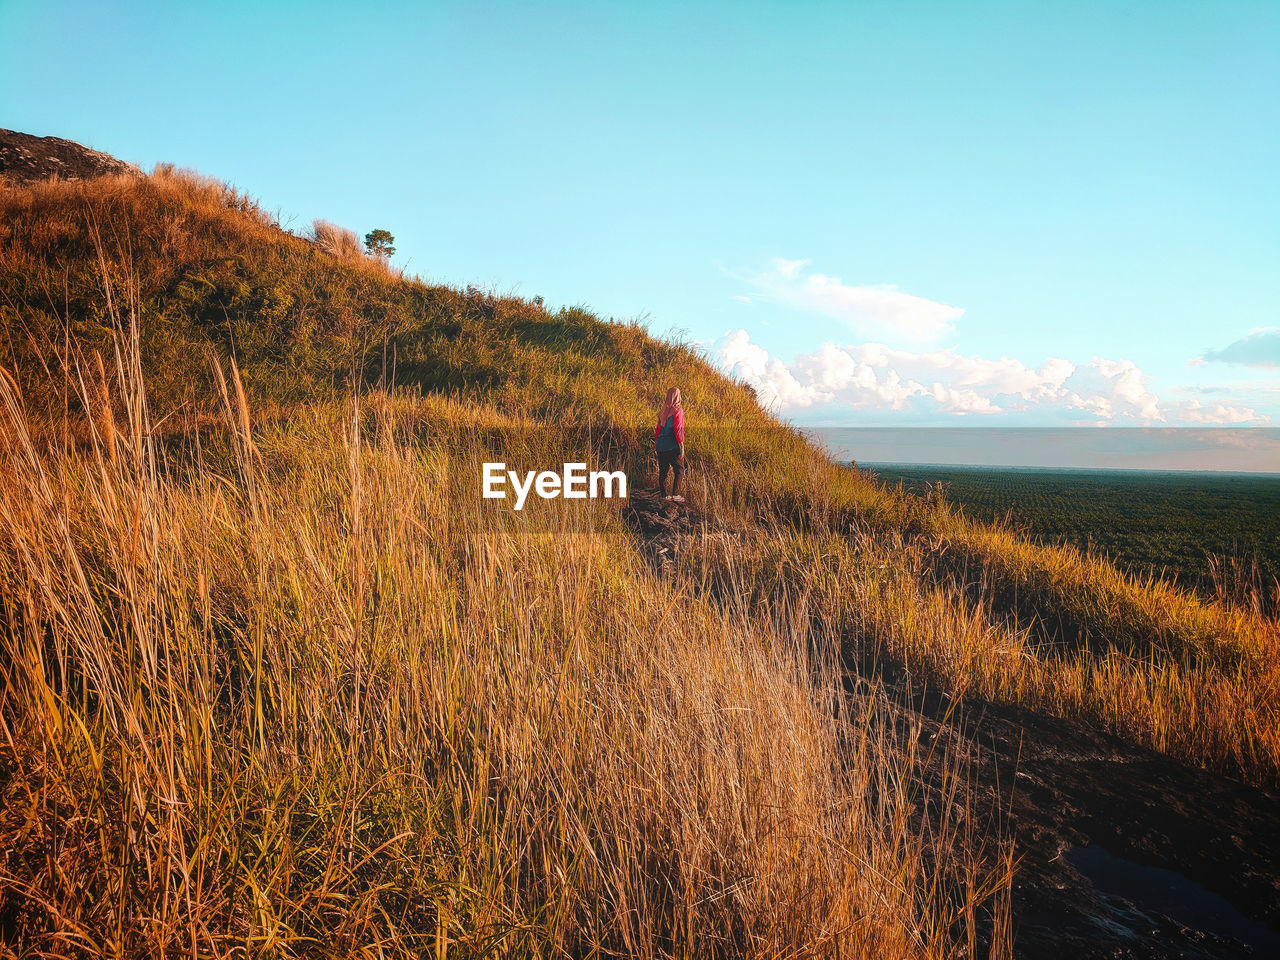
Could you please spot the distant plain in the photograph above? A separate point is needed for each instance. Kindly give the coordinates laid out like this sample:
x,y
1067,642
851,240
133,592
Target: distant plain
x,y
1191,526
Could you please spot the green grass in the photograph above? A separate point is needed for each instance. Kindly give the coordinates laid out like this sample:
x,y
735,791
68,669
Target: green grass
x,y
1186,525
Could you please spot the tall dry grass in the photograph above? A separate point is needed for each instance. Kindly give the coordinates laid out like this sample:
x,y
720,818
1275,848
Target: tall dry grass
x,y
1137,657
325,701
335,240
281,684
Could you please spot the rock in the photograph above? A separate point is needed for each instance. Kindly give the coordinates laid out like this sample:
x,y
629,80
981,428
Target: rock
x,y
27,159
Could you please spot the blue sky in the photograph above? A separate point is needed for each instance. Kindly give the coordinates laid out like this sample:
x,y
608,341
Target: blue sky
x,y
1020,214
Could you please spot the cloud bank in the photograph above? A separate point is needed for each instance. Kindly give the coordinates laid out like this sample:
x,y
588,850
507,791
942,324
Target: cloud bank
x,y
876,377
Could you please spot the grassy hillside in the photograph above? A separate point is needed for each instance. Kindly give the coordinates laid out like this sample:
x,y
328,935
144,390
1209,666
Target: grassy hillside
x,y
278,681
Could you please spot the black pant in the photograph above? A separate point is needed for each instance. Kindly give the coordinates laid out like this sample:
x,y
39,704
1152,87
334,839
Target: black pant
x,y
668,459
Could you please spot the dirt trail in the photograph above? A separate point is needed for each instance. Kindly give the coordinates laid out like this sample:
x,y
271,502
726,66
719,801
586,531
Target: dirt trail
x,y
659,524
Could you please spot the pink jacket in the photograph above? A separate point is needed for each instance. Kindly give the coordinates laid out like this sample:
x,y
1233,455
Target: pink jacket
x,y
679,415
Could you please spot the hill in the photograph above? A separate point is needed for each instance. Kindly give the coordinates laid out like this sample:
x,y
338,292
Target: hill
x,y
283,682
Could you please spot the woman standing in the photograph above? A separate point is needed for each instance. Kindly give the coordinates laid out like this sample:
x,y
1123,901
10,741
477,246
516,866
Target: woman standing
x,y
668,442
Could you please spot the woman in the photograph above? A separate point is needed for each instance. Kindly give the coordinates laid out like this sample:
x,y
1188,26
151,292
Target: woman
x,y
668,441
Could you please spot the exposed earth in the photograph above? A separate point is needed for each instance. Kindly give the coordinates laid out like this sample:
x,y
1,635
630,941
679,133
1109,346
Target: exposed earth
x,y
1124,852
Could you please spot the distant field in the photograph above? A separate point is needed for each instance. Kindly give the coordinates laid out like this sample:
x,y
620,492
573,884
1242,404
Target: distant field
x,y
1144,520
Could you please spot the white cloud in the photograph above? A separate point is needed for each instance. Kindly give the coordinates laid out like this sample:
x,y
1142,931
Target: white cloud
x,y
843,375
861,375
880,310
1113,389
962,401
789,268
773,381
877,377
1218,414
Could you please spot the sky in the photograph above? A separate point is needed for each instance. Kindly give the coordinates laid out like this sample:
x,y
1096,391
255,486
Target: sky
x,y
1031,214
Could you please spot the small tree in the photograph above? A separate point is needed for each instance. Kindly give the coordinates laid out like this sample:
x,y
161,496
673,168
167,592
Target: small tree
x,y
379,243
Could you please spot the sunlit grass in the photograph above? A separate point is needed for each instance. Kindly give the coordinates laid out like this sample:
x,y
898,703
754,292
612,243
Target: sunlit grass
x,y
277,681
330,701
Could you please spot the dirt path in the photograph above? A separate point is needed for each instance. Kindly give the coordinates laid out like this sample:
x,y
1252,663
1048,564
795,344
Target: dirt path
x,y
660,524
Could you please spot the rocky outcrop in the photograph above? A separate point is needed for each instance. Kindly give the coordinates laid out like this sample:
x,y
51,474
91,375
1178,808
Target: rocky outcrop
x,y
26,159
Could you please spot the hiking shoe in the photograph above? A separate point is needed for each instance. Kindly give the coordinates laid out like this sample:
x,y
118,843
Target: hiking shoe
x,y
676,498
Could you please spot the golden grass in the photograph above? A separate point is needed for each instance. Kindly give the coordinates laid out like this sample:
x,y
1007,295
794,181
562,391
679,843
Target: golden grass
x,y
333,704
289,686
1158,666
335,240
